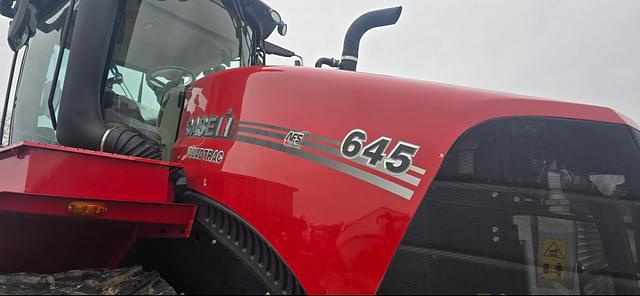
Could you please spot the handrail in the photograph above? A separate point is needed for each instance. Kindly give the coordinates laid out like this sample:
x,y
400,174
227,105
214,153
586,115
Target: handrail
x,y
7,97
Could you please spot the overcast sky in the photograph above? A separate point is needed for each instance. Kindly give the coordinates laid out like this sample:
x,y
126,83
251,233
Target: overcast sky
x,y
577,50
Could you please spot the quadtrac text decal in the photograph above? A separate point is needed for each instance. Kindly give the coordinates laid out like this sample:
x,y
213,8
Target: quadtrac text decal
x,y
205,154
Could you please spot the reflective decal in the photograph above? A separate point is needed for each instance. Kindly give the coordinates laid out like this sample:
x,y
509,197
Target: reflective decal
x,y
397,162
554,259
295,139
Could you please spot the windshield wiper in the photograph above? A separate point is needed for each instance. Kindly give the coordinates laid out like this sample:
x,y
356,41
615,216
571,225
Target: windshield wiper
x,y
118,79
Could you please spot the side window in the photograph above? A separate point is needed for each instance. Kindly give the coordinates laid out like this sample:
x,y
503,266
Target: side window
x,y
31,120
529,206
161,48
44,120
134,87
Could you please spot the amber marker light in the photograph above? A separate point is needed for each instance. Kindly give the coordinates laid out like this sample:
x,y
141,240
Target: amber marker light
x,y
86,209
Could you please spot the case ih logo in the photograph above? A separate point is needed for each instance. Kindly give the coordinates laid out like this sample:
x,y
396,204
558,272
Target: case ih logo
x,y
294,139
211,127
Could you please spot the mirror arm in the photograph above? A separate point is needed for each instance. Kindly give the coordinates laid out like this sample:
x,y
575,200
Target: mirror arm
x,y
7,98
23,25
7,9
300,61
270,48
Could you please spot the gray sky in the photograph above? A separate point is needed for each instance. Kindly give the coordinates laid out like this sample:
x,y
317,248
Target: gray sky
x,y
576,50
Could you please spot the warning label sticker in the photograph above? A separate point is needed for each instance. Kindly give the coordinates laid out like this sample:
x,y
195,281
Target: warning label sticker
x,y
554,259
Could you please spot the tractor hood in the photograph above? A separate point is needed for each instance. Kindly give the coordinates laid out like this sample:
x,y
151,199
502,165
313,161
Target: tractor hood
x,y
334,102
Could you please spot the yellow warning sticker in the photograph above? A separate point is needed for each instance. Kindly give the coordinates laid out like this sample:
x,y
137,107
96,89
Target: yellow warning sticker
x,y
554,259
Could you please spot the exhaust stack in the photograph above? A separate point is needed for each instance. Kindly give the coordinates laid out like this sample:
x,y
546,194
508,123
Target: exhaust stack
x,y
364,23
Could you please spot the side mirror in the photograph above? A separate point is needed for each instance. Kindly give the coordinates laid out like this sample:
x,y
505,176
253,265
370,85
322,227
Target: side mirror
x,y
23,25
282,29
7,8
282,26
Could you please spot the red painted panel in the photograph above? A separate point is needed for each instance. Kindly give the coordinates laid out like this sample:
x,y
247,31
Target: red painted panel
x,y
61,171
37,184
46,245
178,216
337,232
12,172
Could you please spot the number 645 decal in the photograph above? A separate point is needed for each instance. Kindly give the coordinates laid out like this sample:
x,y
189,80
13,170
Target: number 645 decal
x,y
397,162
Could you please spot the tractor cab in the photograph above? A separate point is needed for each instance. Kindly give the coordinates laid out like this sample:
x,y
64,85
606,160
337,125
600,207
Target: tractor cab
x,y
111,75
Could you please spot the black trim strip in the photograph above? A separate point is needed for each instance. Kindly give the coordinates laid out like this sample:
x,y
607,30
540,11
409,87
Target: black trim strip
x,y
7,96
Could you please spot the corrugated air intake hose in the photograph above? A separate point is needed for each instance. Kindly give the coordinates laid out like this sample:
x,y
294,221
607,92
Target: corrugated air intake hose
x,y
81,123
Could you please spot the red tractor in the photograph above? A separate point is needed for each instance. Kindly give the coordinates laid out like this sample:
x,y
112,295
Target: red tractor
x,y
151,132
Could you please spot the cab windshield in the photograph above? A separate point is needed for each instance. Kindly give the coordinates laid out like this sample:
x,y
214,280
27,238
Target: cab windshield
x,y
161,47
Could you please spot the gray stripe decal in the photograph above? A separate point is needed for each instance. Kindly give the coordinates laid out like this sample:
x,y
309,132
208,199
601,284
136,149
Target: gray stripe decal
x,y
415,169
418,170
321,138
261,132
415,181
333,151
363,161
284,129
354,172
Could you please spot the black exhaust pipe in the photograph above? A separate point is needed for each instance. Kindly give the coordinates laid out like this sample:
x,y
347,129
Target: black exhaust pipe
x,y
364,23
